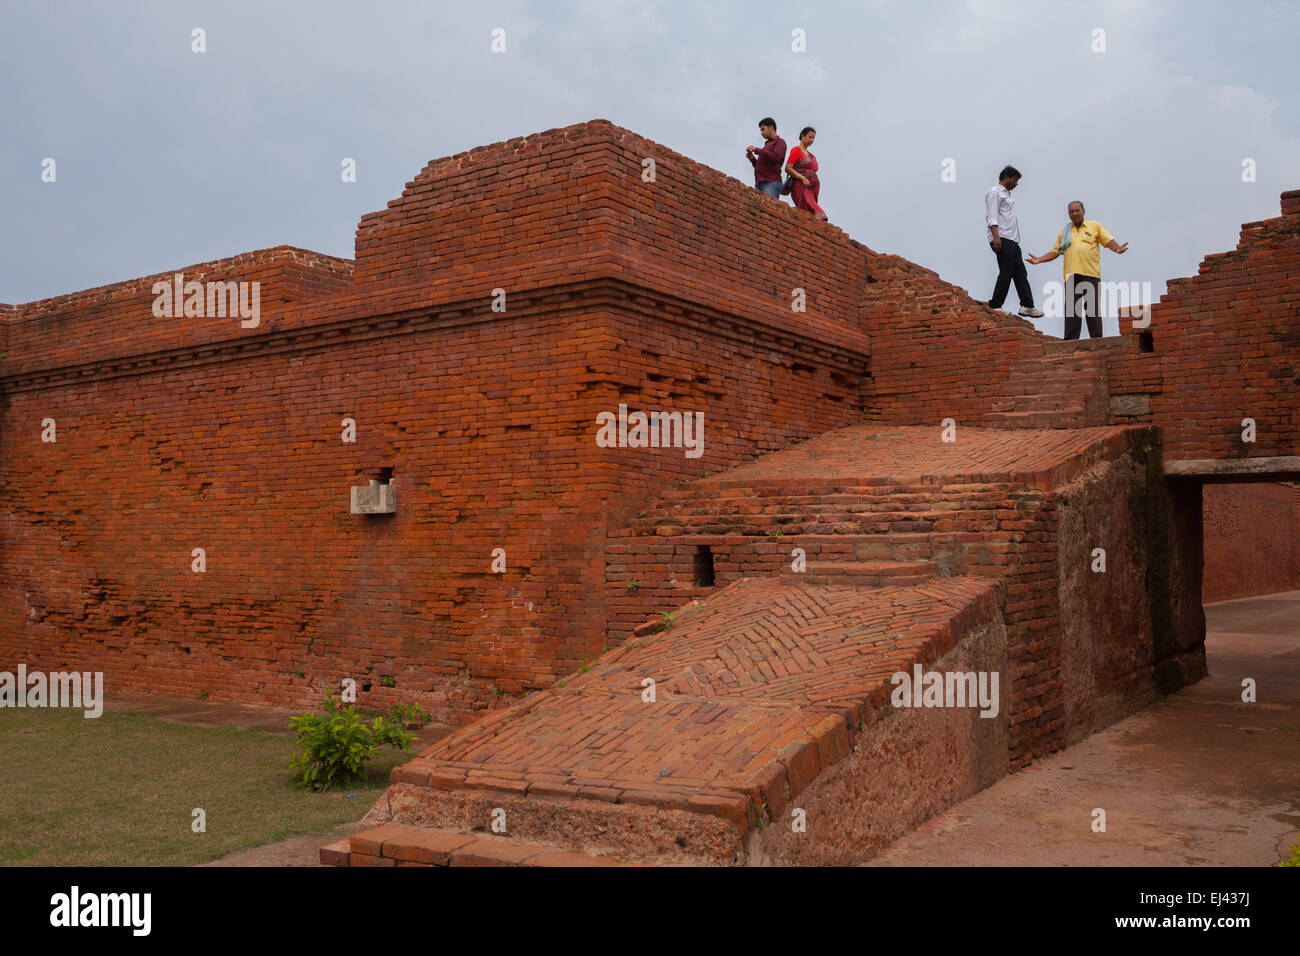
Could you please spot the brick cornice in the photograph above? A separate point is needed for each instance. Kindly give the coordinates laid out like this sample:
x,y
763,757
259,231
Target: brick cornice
x,y
850,354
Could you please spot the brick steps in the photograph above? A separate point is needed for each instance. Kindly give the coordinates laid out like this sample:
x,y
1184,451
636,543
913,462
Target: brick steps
x,y
1055,389
864,573
399,844
792,524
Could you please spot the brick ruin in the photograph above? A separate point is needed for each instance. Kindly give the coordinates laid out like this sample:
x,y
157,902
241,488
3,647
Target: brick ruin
x,y
510,296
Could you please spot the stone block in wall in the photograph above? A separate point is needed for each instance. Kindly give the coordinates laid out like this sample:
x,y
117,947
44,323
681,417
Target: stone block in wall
x,y
1130,405
377,499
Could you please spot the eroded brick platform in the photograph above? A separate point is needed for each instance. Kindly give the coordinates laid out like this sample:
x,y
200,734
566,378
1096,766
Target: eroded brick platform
x,y
771,687
756,691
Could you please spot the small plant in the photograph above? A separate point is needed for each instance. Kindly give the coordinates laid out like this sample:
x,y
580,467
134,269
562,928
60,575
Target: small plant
x,y
639,514
633,584
763,822
146,688
203,695
775,534
332,748
404,715
388,681
497,692
666,622
299,673
1293,859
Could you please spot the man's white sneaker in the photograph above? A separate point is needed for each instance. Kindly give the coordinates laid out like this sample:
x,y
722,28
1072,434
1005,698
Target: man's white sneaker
x,y
1031,313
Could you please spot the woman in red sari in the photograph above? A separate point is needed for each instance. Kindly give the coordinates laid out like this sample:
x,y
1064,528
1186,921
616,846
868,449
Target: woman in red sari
x,y
802,169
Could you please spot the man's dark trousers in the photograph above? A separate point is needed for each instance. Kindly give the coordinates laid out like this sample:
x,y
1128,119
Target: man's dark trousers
x,y
1082,294
1011,268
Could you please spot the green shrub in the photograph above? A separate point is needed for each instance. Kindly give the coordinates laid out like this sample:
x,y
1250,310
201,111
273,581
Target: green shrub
x,y
332,748
1293,859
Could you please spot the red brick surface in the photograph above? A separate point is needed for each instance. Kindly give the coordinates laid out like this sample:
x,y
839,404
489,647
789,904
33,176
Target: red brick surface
x,y
177,434
1252,539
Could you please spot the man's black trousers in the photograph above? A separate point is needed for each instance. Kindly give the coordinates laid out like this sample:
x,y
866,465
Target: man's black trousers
x,y
1082,294
1011,268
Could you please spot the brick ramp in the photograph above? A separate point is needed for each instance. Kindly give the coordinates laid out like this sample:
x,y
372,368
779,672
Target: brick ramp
x,y
757,690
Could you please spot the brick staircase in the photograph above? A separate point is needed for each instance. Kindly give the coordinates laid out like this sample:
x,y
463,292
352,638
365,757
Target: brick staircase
x,y
1064,387
397,844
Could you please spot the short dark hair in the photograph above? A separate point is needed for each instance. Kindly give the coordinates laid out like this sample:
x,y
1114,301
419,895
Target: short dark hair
x,y
1008,172
767,121
1073,201
805,131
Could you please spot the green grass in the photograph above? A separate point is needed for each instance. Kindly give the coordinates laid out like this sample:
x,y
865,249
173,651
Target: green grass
x,y
119,790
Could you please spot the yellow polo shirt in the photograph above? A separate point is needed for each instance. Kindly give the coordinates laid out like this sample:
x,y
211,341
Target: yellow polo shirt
x,y
1083,257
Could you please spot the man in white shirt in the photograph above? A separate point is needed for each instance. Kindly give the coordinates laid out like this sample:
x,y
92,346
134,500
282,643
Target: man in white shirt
x,y
1004,240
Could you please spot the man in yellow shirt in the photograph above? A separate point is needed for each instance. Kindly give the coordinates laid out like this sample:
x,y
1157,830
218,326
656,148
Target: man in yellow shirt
x,y
1080,243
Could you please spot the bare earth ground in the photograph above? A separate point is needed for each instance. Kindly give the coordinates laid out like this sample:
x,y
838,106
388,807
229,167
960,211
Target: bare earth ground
x,y
1198,778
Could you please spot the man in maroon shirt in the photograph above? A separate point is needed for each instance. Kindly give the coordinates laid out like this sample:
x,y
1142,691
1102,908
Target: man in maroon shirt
x,y
767,162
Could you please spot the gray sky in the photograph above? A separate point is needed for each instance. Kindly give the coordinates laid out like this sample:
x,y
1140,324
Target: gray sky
x,y
167,157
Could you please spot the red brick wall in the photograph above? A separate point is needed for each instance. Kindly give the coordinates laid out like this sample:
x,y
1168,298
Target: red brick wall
x,y
117,321
936,353
673,294
575,199
1225,345
183,433
1224,348
1252,539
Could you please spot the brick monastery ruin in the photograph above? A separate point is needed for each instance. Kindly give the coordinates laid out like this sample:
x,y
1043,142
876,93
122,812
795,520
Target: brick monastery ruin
x,y
822,433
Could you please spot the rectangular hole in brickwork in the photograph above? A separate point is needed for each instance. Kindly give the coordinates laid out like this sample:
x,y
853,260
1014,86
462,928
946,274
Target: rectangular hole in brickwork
x,y
383,475
703,566
1146,342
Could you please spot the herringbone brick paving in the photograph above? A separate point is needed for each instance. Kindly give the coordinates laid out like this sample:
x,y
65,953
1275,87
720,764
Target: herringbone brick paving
x,y
737,681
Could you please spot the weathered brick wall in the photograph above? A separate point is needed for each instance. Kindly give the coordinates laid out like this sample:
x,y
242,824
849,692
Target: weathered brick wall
x,y
117,321
182,433
936,353
1252,539
1221,346
1129,630
541,208
1225,345
670,294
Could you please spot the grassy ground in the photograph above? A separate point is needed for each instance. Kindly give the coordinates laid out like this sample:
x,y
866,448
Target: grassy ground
x,y
120,789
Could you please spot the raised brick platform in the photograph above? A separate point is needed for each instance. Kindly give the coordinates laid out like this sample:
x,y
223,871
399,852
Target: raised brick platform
x,y
772,684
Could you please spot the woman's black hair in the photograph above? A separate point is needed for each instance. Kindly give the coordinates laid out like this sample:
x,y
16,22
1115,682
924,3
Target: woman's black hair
x,y
805,131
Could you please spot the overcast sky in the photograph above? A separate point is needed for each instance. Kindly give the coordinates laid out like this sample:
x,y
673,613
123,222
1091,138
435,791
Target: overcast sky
x,y
166,157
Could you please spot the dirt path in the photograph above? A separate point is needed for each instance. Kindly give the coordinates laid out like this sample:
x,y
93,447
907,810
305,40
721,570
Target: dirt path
x,y
1198,778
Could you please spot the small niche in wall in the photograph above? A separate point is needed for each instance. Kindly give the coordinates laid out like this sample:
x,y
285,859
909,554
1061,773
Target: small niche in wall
x,y
704,577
